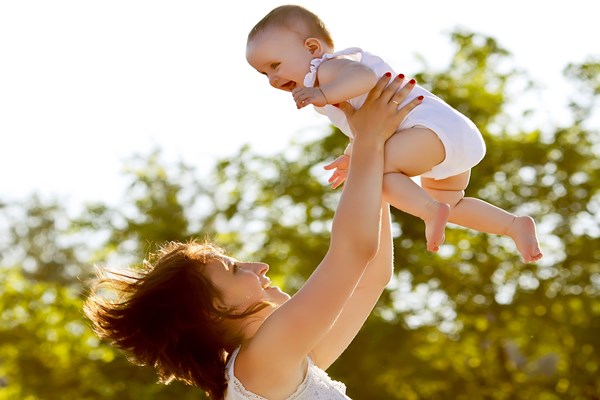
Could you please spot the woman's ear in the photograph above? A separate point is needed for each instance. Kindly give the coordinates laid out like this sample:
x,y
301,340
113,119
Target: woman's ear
x,y
314,46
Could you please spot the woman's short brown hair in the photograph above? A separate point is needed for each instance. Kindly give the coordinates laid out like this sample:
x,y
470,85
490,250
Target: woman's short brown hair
x,y
164,315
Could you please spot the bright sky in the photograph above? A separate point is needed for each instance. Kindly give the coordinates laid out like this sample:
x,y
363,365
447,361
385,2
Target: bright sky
x,y
86,84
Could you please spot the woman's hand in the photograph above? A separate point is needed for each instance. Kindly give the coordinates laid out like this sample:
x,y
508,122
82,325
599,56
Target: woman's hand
x,y
380,114
389,118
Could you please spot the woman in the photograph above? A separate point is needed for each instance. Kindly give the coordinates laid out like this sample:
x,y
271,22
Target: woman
x,y
200,316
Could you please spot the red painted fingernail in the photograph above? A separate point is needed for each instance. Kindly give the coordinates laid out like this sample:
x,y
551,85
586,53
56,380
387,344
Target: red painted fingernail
x,y
400,76
412,82
336,105
388,74
420,98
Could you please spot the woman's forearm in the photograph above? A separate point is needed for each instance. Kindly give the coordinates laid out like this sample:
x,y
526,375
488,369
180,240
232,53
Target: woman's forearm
x,y
381,268
357,218
356,222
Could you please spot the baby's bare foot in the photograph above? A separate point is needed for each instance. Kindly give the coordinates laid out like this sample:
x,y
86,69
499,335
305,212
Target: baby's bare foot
x,y
522,231
435,225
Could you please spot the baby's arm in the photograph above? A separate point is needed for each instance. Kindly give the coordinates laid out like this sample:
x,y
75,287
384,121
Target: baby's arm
x,y
339,80
348,149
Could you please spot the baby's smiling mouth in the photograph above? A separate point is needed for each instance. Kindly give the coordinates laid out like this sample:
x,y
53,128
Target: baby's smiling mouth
x,y
289,86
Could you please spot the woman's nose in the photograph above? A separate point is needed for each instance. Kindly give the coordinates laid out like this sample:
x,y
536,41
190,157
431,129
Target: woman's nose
x,y
260,268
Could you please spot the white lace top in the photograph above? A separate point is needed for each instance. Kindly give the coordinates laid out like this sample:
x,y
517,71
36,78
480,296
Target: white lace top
x,y
317,385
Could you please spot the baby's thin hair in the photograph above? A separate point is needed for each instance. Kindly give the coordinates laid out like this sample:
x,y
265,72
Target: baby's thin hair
x,y
288,17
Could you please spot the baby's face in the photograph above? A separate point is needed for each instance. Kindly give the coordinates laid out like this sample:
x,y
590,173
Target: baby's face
x,y
282,55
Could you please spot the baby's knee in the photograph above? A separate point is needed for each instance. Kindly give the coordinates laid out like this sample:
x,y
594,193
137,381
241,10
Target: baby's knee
x,y
450,197
389,166
387,184
394,160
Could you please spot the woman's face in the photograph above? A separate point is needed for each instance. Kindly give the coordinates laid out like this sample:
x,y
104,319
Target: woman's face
x,y
243,284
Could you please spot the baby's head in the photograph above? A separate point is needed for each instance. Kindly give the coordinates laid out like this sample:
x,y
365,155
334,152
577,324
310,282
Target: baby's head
x,y
282,45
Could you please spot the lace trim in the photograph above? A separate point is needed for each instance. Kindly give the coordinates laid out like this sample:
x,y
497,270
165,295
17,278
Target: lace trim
x,y
324,377
314,375
239,388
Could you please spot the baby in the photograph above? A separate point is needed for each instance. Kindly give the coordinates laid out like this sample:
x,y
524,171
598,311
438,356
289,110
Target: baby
x,y
294,49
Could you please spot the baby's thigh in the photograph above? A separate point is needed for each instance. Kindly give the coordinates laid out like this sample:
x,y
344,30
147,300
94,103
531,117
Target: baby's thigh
x,y
413,151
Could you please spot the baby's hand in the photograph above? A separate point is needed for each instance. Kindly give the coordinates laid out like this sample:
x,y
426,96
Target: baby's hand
x,y
309,95
341,165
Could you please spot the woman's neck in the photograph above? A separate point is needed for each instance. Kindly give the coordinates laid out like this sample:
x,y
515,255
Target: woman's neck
x,y
252,323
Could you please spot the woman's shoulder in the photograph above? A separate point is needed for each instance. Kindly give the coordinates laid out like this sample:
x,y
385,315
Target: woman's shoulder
x,y
248,367
235,389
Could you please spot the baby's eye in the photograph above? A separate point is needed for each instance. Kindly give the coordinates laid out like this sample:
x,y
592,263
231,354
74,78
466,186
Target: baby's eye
x,y
275,65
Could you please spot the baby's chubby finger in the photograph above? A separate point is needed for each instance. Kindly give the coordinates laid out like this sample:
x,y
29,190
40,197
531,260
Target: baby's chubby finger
x,y
334,175
296,93
337,183
335,163
332,164
299,97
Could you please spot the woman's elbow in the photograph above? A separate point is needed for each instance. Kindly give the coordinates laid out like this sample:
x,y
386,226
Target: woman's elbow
x,y
366,249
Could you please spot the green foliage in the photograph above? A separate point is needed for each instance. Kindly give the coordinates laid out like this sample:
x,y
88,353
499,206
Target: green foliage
x,y
472,322
49,352
39,239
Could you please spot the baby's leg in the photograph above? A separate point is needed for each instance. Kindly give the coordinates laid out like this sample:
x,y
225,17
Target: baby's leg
x,y
477,214
412,152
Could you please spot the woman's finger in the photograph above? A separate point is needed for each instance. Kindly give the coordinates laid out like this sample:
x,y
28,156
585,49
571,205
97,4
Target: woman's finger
x,y
408,107
402,94
392,89
346,108
379,86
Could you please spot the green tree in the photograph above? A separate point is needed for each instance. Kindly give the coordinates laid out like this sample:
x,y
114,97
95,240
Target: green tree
x,y
472,322
48,352
39,238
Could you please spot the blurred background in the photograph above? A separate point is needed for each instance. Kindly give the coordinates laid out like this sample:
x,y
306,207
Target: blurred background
x,y
125,124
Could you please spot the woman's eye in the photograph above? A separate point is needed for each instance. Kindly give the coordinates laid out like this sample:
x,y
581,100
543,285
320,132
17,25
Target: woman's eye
x,y
235,268
274,65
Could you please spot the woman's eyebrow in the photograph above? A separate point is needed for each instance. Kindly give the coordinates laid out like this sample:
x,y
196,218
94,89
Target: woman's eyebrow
x,y
230,263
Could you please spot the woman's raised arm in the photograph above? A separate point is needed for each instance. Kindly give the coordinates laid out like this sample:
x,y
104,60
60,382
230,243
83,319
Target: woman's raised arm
x,y
296,327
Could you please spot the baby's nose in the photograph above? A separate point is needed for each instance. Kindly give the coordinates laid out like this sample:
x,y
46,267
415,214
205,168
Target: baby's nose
x,y
274,81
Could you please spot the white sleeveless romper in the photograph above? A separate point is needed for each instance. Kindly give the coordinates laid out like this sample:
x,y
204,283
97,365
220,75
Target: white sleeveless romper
x,y
462,140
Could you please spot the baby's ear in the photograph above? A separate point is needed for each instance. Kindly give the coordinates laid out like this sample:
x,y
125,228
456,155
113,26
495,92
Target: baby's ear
x,y
314,46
